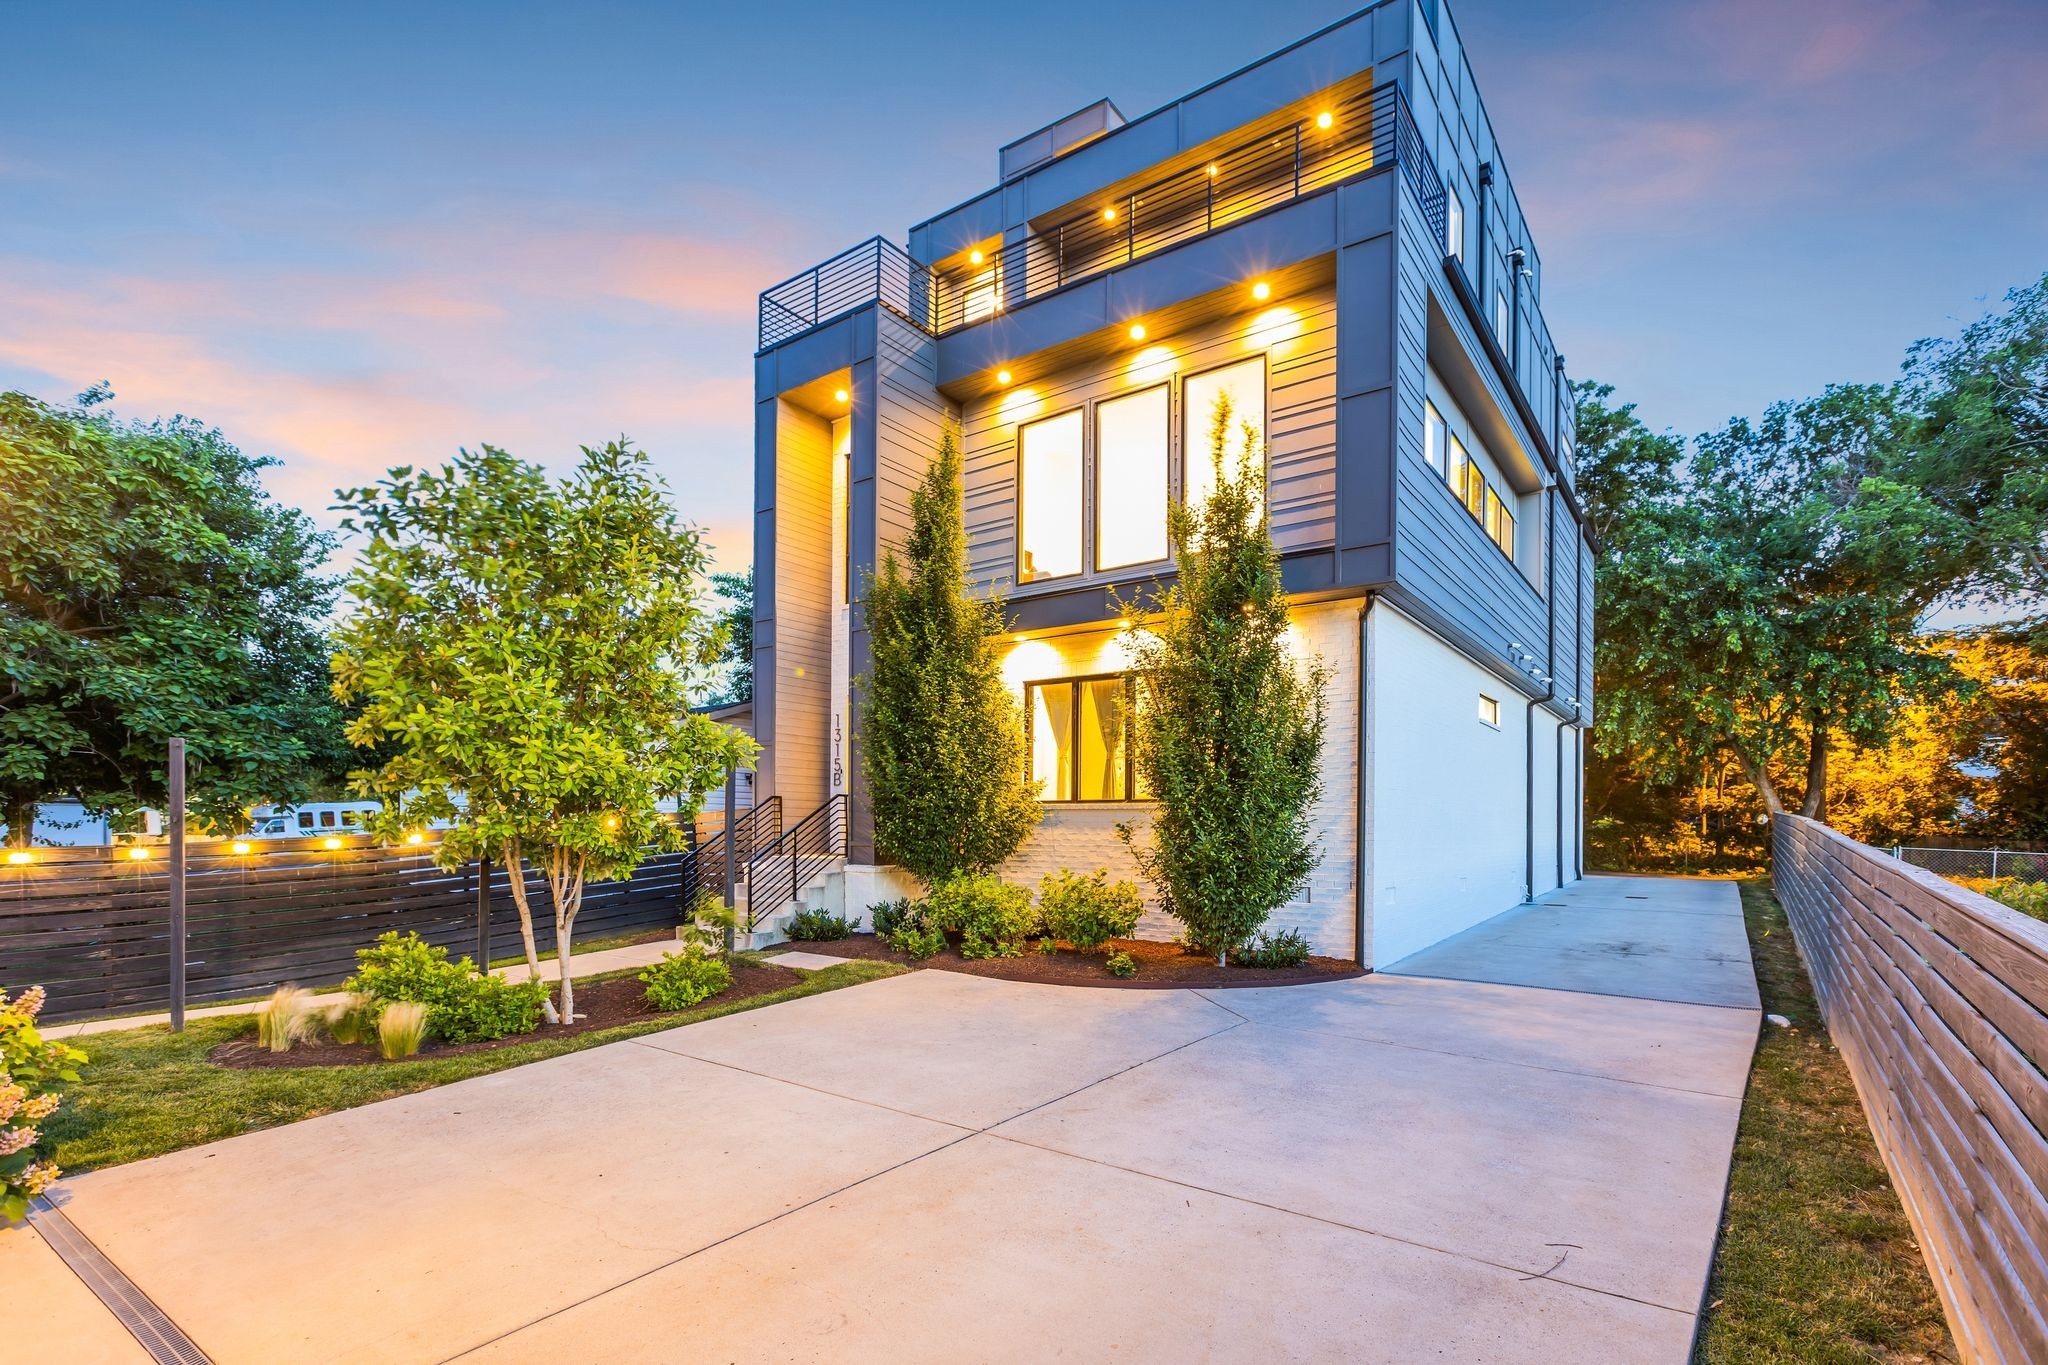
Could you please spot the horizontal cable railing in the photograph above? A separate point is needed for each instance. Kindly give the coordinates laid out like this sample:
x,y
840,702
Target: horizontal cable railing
x,y
704,867
782,869
1365,132
876,271
1369,130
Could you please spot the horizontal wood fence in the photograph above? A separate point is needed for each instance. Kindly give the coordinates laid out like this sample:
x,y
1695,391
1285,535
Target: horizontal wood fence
x,y
1935,996
93,924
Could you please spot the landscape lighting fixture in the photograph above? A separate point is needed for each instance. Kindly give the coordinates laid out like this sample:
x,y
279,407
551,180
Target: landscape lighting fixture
x,y
20,857
1137,331
1262,291
138,852
239,847
415,838
330,843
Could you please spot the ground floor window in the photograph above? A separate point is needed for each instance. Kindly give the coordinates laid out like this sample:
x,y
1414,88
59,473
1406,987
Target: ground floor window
x,y
1080,738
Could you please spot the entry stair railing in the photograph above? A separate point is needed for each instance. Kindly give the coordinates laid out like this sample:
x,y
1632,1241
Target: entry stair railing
x,y
780,871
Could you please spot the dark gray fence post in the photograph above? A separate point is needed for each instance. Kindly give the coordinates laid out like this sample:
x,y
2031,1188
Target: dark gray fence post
x,y
483,914
732,835
176,832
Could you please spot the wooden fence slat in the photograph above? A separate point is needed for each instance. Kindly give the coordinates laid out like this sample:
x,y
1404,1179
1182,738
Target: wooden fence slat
x,y
1938,1002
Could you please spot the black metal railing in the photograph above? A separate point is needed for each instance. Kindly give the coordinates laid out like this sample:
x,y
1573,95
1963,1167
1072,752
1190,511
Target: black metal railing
x,y
876,271
704,866
1355,136
782,869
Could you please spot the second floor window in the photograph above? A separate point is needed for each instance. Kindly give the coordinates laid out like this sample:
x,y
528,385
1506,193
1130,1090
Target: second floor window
x,y
1049,498
1131,458
1245,385
1502,324
1435,437
1454,225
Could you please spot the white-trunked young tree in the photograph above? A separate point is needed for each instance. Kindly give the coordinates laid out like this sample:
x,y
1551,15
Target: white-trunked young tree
x,y
523,649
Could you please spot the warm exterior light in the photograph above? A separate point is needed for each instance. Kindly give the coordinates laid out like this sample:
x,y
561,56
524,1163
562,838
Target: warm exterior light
x,y
1002,376
1137,331
21,857
1323,120
138,852
1212,168
839,395
975,258
415,838
1262,291
239,847
611,822
1109,215
1020,639
330,842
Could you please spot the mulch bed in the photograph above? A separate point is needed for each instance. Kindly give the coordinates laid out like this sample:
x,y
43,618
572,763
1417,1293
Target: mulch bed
x,y
1161,966
599,1005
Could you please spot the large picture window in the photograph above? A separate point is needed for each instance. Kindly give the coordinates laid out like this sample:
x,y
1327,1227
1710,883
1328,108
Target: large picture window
x,y
1080,738
1245,385
1049,503
1130,479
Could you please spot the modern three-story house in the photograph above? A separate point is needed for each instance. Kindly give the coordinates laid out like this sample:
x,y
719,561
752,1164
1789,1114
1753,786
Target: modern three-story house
x,y
1330,237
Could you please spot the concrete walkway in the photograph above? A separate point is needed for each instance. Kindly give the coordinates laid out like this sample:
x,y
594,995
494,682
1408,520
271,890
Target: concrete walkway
x,y
946,1167
581,965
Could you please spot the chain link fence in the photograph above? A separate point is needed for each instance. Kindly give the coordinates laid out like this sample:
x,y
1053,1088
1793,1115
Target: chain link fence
x,y
2026,866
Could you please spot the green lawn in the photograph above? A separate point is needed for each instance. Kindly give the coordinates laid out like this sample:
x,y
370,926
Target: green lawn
x,y
148,1091
1817,1262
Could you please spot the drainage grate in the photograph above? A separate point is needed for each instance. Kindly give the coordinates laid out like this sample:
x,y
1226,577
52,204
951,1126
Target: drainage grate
x,y
166,1343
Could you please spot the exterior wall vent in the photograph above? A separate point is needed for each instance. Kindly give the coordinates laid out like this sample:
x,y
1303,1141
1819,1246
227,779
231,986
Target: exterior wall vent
x,y
1057,139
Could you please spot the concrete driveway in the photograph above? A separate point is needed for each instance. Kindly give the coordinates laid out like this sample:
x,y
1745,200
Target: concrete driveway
x,y
944,1167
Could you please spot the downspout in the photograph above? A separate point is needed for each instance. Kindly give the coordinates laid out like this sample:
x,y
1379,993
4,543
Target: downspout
x,y
1364,787
1517,263
1485,245
1529,713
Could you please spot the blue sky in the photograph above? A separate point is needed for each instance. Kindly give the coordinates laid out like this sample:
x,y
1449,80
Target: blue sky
x,y
356,236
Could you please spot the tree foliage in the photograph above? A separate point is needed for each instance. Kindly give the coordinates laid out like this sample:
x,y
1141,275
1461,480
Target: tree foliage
x,y
527,648
942,740
736,619
1229,729
1767,601
153,590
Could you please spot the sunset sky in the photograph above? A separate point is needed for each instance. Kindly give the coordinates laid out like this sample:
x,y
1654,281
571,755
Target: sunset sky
x,y
356,236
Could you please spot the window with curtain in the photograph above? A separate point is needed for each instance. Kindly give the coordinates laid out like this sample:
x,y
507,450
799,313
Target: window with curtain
x,y
1244,383
1049,506
1130,479
1081,738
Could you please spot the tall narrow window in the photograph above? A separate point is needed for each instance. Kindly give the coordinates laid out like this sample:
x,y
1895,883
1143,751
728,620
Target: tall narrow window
x,y
1454,225
1101,758
1245,385
1049,499
1130,479
1502,324
1434,435
1456,465
1052,739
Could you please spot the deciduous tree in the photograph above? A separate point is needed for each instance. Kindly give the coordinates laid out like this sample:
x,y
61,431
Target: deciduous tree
x,y
153,589
528,648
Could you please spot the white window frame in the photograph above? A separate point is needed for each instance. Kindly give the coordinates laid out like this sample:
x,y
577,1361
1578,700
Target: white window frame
x,y
1094,465
1194,443
1080,505
1489,711
1454,225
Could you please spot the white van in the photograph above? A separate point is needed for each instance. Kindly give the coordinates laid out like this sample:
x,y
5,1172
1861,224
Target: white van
x,y
312,820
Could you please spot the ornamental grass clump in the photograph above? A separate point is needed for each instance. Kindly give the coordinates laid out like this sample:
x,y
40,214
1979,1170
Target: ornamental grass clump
x,y
401,1028
353,1019
31,1067
1088,911
286,1018
1228,733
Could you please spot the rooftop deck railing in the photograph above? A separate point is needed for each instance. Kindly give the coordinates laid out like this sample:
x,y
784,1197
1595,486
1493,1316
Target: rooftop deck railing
x,y
1353,137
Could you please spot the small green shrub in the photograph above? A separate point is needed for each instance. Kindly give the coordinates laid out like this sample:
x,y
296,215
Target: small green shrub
x,y
284,1019
992,918
916,939
706,931
1121,963
1088,911
818,926
884,918
681,980
30,1069
1284,949
464,1006
2028,899
401,1028
353,1019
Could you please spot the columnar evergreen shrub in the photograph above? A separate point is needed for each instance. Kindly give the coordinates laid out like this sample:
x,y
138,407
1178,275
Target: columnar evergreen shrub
x,y
942,739
1229,729
1088,911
